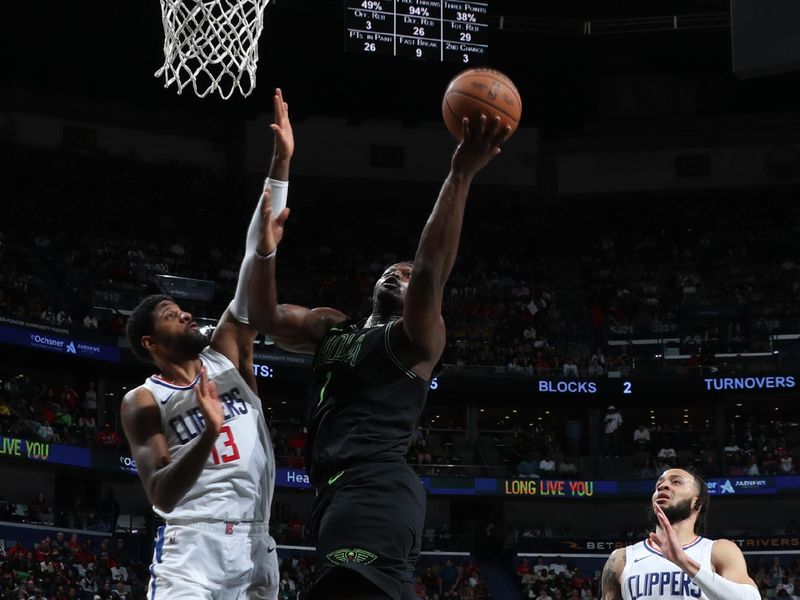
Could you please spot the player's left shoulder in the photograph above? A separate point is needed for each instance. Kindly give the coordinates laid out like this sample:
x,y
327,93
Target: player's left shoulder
x,y
419,360
724,550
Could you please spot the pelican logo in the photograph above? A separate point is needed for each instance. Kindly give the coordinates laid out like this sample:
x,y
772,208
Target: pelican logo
x,y
351,555
494,89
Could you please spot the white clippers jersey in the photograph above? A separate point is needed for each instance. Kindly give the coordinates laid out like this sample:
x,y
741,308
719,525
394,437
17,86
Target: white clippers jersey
x,y
239,477
647,574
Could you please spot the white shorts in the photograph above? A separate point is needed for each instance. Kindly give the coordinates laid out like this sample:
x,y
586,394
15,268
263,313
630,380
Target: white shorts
x,y
214,561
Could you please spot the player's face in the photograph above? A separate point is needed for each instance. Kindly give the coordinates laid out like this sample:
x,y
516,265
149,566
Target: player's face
x,y
176,331
676,494
393,283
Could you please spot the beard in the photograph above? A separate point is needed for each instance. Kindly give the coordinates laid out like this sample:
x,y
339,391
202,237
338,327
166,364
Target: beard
x,y
186,344
388,301
680,511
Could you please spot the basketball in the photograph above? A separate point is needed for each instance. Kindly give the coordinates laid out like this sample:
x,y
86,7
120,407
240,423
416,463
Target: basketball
x,y
477,91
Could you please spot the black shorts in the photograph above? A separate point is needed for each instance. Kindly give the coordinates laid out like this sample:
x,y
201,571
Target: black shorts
x,y
369,519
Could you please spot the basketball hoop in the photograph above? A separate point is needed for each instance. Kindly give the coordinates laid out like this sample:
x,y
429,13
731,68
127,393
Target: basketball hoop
x,y
212,44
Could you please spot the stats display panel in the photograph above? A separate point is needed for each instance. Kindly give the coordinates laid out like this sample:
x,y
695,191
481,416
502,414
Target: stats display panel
x,y
441,30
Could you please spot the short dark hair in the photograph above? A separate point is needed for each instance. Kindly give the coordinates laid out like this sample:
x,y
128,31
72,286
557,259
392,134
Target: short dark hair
x,y
141,323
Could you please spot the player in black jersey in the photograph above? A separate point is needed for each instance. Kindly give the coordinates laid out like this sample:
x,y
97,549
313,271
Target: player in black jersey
x,y
369,385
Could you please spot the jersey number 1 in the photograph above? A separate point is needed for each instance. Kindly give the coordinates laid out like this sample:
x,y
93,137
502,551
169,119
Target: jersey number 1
x,y
228,443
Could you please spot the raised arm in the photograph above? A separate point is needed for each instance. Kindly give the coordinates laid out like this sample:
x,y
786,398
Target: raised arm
x,y
610,581
728,580
438,244
234,335
165,480
292,327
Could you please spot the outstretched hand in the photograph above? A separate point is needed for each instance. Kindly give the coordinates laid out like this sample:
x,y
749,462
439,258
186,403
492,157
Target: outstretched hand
x,y
209,404
480,144
282,128
270,227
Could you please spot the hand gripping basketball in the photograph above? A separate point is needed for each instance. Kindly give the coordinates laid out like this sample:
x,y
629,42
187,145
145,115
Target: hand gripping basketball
x,y
481,91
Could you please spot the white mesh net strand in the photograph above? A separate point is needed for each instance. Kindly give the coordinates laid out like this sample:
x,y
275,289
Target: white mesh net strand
x,y
212,44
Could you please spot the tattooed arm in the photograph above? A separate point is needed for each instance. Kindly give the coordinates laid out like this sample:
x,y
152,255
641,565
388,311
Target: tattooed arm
x,y
612,589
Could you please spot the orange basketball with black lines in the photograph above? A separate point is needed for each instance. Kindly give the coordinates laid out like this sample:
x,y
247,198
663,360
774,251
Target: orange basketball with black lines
x,y
477,91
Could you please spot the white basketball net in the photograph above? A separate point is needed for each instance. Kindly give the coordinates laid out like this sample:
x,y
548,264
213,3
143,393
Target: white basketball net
x,y
212,44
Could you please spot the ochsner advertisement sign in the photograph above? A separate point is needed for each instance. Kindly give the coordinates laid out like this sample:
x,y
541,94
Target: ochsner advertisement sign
x,y
45,340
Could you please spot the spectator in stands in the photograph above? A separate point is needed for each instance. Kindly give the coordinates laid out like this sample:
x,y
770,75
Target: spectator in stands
x,y
641,437
58,543
88,582
667,454
558,566
776,571
528,468
419,589
442,537
567,468
787,465
108,438
547,466
420,452
784,585
90,399
612,423
595,368
433,584
297,443
121,553
449,575
87,425
63,319
46,431
36,507
543,595
90,321
569,367
770,464
5,412
523,568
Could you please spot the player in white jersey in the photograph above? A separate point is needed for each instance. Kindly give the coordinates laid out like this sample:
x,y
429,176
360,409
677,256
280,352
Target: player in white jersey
x,y
198,434
675,561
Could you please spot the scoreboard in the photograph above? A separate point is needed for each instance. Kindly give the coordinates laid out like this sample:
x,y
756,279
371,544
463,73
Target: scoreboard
x,y
440,30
